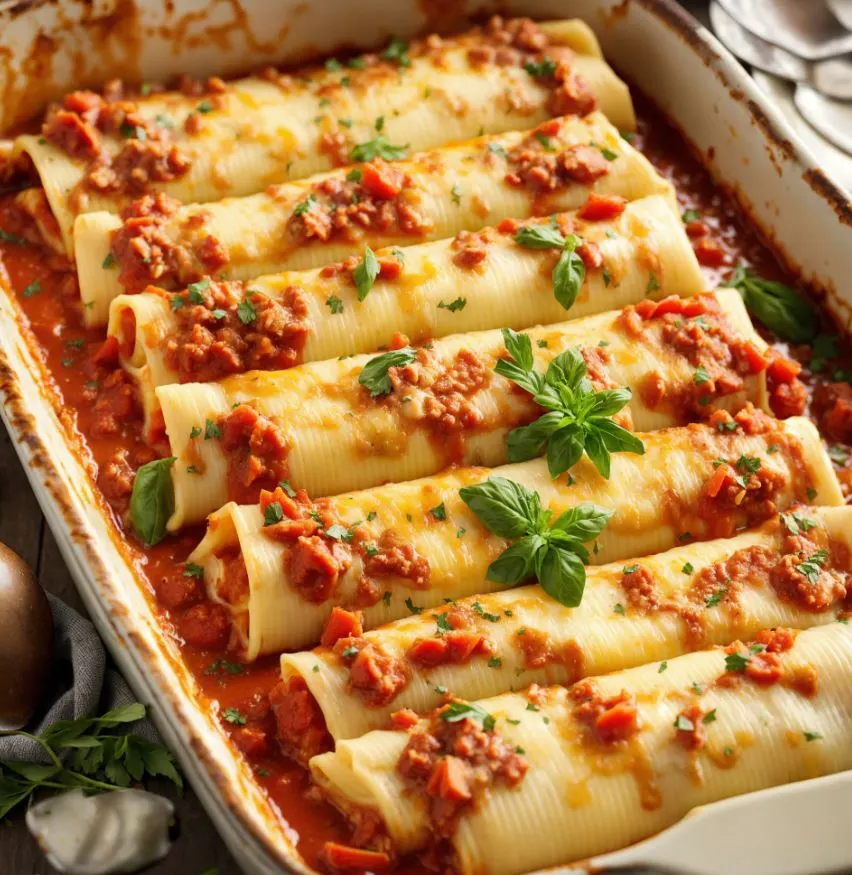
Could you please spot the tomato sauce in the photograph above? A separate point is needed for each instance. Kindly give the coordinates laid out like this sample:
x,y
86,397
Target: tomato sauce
x,y
238,693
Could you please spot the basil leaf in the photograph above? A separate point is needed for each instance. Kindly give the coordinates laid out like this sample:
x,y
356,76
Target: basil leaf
x,y
583,521
609,401
540,237
598,453
617,439
507,508
527,442
152,501
781,309
564,450
567,369
532,381
365,273
569,273
515,564
374,375
519,346
562,575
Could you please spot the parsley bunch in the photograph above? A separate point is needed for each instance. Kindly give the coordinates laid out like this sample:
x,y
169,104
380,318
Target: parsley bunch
x,y
553,553
578,418
84,754
570,272
782,310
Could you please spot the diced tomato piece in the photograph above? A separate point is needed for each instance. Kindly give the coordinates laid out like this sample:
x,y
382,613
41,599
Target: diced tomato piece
x,y
698,305
381,180
600,207
404,719
178,590
398,341
757,361
428,651
251,740
509,226
341,624
279,496
617,722
718,479
646,308
290,530
549,128
462,645
337,856
389,268
783,370
696,228
709,253
449,780
763,668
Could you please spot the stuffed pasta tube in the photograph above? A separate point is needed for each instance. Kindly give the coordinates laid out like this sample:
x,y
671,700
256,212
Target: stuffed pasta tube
x,y
276,570
602,764
326,218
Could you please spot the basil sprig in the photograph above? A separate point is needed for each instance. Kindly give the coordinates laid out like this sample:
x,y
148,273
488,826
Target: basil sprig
x,y
152,501
781,309
578,418
570,272
374,375
553,553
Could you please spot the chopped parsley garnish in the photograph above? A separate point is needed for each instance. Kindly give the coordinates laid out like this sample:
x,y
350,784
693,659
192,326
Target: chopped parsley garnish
x,y
378,147
811,567
334,304
690,216
688,568
653,284
204,107
32,289
453,306
303,206
619,609
365,273
246,310
712,600
234,717
701,376
608,154
630,569
108,262
374,376
812,736
439,512
211,430
542,69
663,666
456,711
412,607
339,533
273,513
495,662
684,724
736,661
456,193
397,50
193,570
709,717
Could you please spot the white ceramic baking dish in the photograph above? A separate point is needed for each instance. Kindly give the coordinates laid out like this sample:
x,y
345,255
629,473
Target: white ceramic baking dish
x,y
50,47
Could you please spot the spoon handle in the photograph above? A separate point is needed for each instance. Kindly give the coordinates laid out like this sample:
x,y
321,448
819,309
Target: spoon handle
x,y
797,829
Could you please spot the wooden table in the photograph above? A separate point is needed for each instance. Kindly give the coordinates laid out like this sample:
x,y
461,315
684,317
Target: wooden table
x,y
198,850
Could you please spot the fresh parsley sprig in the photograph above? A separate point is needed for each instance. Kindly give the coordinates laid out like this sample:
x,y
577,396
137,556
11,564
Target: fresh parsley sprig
x,y
782,310
578,418
554,553
570,271
378,147
374,375
85,754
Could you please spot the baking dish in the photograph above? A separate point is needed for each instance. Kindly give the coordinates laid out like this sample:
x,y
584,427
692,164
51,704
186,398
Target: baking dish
x,y
50,47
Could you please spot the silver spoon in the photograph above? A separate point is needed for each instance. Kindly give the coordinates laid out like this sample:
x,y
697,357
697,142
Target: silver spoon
x,y
832,118
806,28
832,77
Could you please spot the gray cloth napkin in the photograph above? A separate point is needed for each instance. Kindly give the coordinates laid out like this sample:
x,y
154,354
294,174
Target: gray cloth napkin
x,y
81,684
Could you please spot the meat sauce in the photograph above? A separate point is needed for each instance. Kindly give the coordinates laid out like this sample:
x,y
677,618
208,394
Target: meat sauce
x,y
51,311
